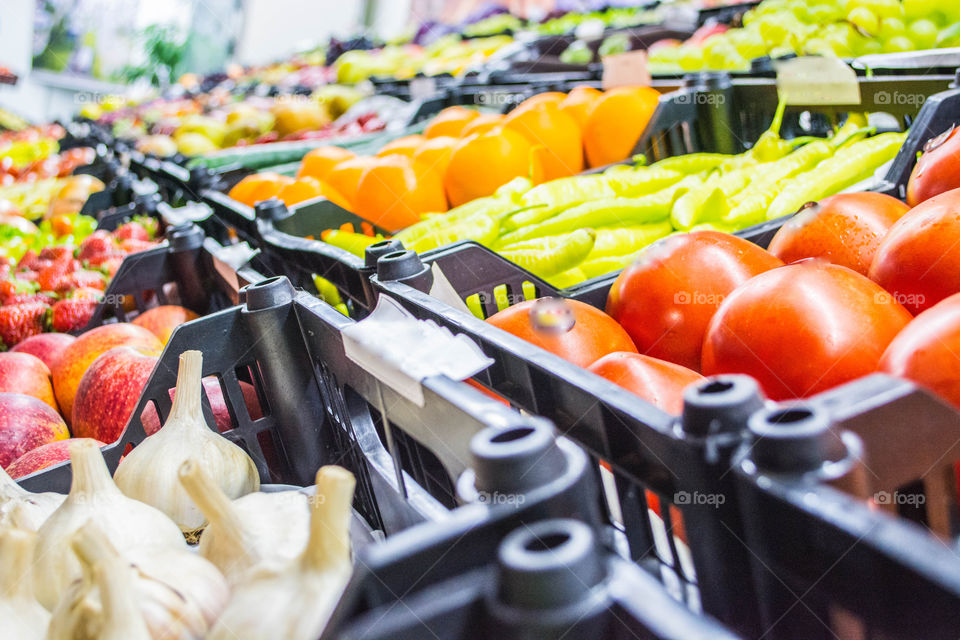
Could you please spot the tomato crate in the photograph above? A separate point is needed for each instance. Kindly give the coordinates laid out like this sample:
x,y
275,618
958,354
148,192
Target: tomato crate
x,y
679,469
486,468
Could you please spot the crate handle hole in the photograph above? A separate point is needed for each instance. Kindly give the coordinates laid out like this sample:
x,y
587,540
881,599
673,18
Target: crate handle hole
x,y
548,542
717,386
512,435
790,416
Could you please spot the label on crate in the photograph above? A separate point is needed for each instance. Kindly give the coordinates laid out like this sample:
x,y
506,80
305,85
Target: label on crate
x,y
626,70
421,88
401,351
816,80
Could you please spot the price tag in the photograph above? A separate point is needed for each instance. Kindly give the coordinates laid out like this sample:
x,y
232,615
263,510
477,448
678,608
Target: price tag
x,y
421,88
626,70
817,80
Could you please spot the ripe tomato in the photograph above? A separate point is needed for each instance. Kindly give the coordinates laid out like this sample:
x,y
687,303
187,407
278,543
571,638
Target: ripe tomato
x,y
802,329
927,351
844,229
937,170
666,298
573,330
918,261
659,382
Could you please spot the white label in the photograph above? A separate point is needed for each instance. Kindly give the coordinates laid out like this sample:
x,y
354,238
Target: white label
x,y
817,80
626,70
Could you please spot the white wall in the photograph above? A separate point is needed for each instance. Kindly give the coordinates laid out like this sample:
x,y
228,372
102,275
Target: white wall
x,y
273,29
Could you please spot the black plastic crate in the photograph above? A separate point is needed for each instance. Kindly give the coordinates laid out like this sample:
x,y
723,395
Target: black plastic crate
x,y
187,269
414,459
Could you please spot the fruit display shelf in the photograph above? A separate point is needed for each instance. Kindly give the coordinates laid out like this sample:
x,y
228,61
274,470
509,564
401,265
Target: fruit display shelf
x,y
706,113
731,453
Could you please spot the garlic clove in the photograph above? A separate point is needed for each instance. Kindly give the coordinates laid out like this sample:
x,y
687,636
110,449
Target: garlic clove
x,y
149,472
36,507
295,601
256,530
21,616
129,524
177,593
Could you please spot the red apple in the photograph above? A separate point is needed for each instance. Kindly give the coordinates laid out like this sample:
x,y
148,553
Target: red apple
x,y
26,423
46,346
68,371
42,457
162,320
151,422
109,391
27,374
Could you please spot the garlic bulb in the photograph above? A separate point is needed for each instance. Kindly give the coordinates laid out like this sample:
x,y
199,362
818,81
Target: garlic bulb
x,y
36,507
149,472
176,593
295,601
258,529
21,616
93,496
122,621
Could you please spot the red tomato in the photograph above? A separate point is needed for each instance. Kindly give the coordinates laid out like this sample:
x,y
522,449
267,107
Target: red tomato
x,y
937,170
918,261
802,329
666,298
927,351
573,330
659,382
844,229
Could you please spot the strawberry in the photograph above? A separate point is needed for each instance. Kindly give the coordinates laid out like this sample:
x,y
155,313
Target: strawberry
x,y
87,293
103,258
52,277
133,246
83,279
111,265
97,243
151,225
13,287
20,321
131,231
71,314
21,298
56,253
28,260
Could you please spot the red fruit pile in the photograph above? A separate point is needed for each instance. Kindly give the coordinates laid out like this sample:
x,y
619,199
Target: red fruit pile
x,y
58,288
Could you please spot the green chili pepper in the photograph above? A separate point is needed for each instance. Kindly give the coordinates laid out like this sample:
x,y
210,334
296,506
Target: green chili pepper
x,y
568,278
355,243
479,227
848,166
557,195
641,182
601,213
627,240
606,264
770,146
552,255
750,205
327,292
692,162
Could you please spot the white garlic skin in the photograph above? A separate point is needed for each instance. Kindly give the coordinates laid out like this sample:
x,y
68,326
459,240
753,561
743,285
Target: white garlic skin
x,y
93,496
35,508
149,472
21,616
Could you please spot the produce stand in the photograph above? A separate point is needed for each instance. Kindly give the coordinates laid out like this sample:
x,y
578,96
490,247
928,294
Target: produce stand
x,y
521,442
